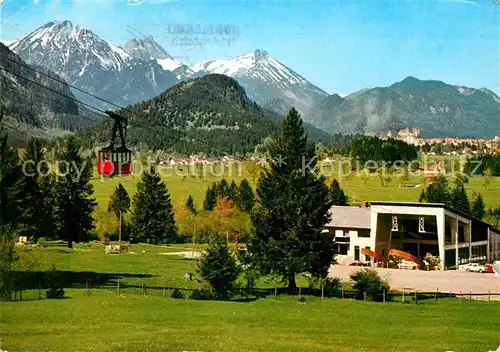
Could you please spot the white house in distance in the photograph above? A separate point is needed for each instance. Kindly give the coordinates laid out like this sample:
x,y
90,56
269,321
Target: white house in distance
x,y
381,228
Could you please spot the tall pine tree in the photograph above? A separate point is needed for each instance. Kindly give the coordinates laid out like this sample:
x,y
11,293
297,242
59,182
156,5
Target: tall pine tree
x,y
73,194
222,189
153,216
458,197
119,203
246,196
478,207
293,206
337,195
232,191
210,197
190,205
436,192
38,207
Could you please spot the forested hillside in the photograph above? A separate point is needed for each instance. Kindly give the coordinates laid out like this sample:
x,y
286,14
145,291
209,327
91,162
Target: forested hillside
x,y
35,98
211,114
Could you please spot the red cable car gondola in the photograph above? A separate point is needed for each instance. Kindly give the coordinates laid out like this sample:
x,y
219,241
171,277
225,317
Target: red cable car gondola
x,y
115,161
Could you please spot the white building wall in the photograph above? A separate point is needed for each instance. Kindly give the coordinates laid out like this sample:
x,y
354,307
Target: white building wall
x,y
360,242
493,242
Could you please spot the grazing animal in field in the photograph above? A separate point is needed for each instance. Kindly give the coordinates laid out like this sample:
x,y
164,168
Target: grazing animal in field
x,y
190,277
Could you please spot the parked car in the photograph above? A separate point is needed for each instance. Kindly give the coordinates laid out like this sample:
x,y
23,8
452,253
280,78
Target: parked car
x,y
474,267
489,268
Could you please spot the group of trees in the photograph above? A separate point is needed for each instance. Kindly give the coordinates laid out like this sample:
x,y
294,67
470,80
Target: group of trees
x,y
152,215
39,202
242,196
291,209
454,195
225,209
368,148
481,165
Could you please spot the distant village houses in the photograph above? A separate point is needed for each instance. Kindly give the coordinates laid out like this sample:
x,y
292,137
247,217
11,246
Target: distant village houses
x,y
194,160
466,145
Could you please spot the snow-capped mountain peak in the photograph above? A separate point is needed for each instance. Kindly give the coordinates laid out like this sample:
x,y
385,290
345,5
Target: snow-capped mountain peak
x,y
88,62
68,39
258,64
146,48
142,68
264,78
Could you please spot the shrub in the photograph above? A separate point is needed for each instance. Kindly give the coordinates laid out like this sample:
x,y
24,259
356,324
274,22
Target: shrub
x,y
368,282
331,286
203,294
249,274
176,293
219,268
93,237
8,258
42,242
54,293
55,290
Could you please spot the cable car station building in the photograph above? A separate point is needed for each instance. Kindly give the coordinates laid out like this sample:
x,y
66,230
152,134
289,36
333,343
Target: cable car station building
x,y
377,229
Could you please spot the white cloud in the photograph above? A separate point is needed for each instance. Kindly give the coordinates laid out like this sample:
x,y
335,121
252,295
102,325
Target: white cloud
x,y
36,2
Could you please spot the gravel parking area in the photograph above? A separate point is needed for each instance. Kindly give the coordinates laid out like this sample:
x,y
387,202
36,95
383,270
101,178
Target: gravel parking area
x,y
429,281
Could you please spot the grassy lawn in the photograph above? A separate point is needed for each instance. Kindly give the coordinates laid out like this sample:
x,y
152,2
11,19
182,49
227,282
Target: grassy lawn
x,y
104,321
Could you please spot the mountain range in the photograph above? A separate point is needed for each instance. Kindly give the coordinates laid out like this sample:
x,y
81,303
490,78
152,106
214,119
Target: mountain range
x,y
142,69
436,108
87,62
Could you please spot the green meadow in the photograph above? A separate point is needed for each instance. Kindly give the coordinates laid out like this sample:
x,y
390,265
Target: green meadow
x,y
133,321
182,182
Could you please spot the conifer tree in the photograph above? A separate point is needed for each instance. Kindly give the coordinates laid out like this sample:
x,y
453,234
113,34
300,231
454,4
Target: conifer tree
x,y
11,183
232,191
119,203
458,197
478,207
246,196
436,192
210,197
190,205
153,217
38,207
73,194
337,195
222,189
293,206
218,267
10,211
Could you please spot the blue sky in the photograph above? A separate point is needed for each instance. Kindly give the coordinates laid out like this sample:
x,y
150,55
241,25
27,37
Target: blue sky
x,y
339,45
